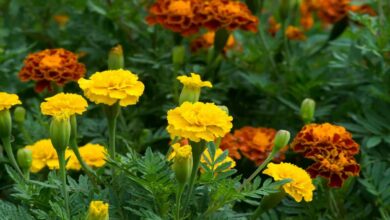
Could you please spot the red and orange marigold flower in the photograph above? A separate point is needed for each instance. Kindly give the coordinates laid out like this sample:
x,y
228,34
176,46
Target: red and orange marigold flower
x,y
188,16
332,148
253,143
51,65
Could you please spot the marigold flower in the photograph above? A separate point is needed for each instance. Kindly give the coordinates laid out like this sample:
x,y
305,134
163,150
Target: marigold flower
x,y
198,121
64,105
254,143
51,65
8,100
43,153
111,86
206,41
194,81
295,33
98,210
332,148
273,26
207,157
300,187
332,11
180,152
94,155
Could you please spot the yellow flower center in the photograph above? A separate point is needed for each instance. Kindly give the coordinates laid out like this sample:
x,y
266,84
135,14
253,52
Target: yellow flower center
x,y
261,139
180,8
51,61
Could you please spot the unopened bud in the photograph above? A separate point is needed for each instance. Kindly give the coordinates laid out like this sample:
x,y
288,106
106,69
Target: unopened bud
x,y
98,210
281,140
115,58
307,110
182,162
189,94
24,158
60,133
5,124
178,53
19,114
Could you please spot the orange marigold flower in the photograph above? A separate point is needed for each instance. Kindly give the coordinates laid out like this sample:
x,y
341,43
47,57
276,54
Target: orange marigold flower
x,y
253,143
207,40
332,148
274,26
332,11
51,65
295,33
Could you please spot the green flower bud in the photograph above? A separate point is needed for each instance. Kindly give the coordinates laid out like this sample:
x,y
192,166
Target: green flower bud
x,y
182,162
19,114
115,58
281,140
24,158
307,110
189,94
60,133
178,53
5,124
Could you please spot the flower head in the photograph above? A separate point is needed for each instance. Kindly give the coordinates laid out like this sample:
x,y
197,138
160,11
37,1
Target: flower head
x,y
198,121
207,157
253,143
51,65
206,41
194,81
94,155
274,26
295,33
43,153
111,86
8,100
180,152
64,105
98,210
332,148
300,187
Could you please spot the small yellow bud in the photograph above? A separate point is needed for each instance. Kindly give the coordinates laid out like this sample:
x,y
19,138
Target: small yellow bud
x,y
178,53
98,210
281,140
115,58
19,114
189,94
5,124
307,110
182,162
24,158
60,133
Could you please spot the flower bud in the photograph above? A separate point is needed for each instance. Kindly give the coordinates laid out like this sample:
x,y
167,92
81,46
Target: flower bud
x,y
98,210
19,114
60,133
5,124
24,158
178,53
281,140
115,58
307,110
189,94
182,162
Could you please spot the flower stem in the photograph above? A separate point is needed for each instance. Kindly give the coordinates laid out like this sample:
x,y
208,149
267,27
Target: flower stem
x,y
8,149
61,158
178,200
112,113
257,171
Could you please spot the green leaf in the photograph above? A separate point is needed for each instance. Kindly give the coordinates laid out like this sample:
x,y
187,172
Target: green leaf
x,y
373,141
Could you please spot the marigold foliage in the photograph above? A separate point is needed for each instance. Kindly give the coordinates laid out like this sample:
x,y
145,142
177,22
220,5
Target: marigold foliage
x,y
111,86
198,121
300,187
8,100
51,65
207,157
253,143
332,148
188,16
194,81
64,105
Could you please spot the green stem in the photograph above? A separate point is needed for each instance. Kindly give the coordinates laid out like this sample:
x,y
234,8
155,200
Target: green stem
x,y
8,149
178,200
74,146
112,113
257,171
61,158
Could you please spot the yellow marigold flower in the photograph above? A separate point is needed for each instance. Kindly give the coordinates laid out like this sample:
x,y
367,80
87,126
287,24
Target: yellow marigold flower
x,y
64,105
73,163
295,33
194,81
98,210
180,152
8,100
93,154
110,86
300,186
218,153
198,121
43,153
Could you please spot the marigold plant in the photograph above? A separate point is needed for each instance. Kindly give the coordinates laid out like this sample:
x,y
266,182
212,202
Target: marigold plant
x,y
207,157
64,105
51,65
8,100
